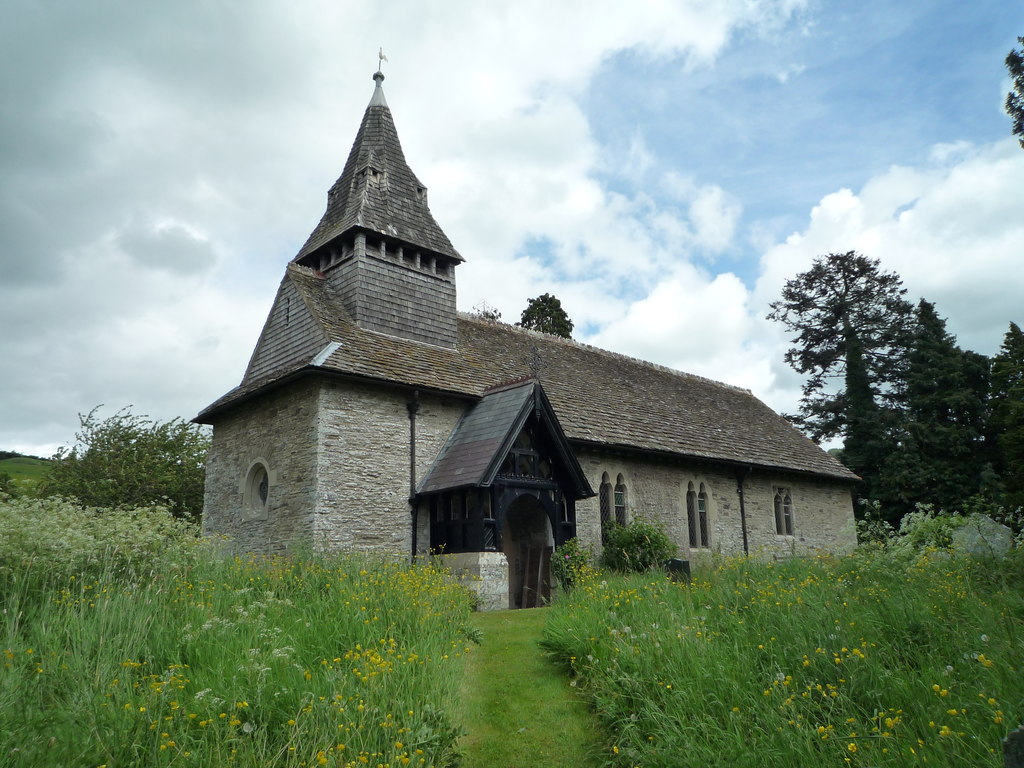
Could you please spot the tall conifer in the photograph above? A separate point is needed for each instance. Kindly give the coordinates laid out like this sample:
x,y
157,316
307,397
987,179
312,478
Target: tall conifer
x,y
1006,402
938,457
850,324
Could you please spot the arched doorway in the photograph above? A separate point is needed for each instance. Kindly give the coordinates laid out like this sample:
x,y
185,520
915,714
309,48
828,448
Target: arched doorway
x,y
527,542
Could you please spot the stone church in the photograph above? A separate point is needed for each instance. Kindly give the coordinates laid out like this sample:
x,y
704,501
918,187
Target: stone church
x,y
374,416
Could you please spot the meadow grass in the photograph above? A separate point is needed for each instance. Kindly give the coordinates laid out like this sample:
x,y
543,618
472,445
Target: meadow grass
x,y
867,660
177,656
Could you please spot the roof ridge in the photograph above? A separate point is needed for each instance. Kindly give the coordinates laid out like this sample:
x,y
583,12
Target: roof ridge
x,y
603,351
511,384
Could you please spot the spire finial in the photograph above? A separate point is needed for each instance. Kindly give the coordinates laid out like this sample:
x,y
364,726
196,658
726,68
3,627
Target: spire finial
x,y
378,100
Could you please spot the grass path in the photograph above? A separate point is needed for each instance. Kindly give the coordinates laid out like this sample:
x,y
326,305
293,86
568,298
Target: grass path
x,y
520,711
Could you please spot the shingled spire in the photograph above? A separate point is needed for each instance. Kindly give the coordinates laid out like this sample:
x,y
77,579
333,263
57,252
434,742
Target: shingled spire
x,y
378,194
387,260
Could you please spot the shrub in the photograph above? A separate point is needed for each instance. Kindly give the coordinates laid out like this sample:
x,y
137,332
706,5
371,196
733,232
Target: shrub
x,y
636,547
7,486
873,528
127,460
62,537
925,527
571,561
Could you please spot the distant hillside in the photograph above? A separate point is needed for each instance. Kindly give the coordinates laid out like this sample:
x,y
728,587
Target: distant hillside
x,y
25,471
16,455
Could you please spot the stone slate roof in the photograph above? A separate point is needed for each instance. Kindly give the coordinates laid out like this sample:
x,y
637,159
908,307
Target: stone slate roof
x,y
485,434
601,398
479,438
377,191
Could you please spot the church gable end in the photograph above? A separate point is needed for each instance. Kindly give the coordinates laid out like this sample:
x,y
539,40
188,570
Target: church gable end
x,y
291,335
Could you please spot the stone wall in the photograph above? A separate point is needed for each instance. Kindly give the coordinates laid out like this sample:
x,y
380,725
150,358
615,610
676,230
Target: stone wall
x,y
656,491
486,573
337,459
277,431
337,456
362,500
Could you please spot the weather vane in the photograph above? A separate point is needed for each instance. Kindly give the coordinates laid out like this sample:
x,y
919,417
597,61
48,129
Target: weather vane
x,y
381,58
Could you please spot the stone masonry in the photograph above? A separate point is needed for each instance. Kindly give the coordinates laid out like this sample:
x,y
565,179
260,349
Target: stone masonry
x,y
656,492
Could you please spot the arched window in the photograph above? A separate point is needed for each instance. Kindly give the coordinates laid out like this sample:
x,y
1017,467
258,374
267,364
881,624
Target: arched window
x,y
702,517
691,515
783,512
256,493
620,500
606,505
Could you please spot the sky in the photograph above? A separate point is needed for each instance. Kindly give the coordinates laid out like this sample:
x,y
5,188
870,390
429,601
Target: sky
x,y
663,167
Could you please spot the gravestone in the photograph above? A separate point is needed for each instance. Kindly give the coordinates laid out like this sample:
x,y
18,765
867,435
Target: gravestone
x,y
1013,749
678,570
982,536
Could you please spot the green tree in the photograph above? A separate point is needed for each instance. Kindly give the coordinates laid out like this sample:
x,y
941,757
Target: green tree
x,y
850,324
1015,98
545,314
939,457
1006,420
868,426
131,460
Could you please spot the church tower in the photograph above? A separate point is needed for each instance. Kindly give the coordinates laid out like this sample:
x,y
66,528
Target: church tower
x,y
378,244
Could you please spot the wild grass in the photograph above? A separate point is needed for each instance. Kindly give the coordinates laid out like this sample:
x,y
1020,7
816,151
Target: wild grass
x,y
132,655
868,660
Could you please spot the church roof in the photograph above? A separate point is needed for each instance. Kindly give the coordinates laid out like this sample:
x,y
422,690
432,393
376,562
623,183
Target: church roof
x,y
601,398
377,191
485,434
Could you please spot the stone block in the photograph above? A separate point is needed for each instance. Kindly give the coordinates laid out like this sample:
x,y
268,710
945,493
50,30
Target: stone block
x,y
486,573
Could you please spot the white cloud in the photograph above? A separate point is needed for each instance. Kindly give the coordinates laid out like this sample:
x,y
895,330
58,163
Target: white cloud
x,y
165,163
952,230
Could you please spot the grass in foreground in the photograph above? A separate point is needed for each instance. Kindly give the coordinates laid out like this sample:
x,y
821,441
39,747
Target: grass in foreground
x,y
865,661
519,708
171,656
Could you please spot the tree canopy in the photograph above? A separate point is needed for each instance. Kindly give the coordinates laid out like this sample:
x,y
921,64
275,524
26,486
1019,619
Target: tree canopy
x,y
1006,423
922,421
937,455
545,314
132,460
850,324
1015,98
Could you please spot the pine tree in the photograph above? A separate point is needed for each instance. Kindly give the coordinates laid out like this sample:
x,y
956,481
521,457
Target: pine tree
x,y
851,325
1006,422
865,447
938,459
1015,98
